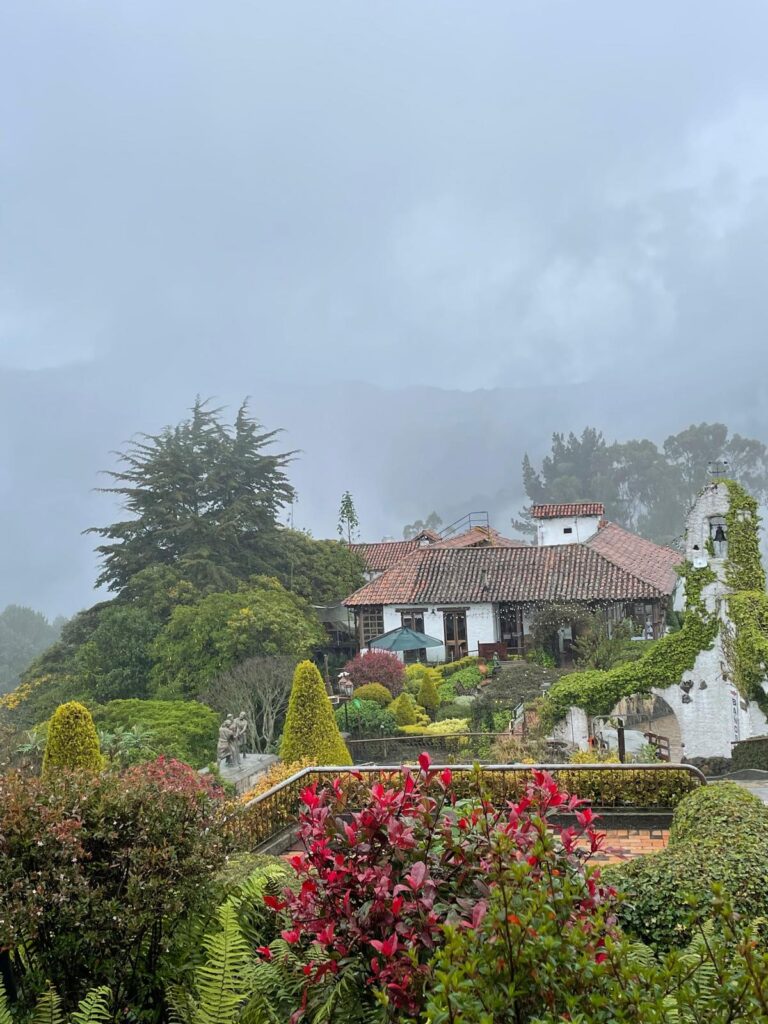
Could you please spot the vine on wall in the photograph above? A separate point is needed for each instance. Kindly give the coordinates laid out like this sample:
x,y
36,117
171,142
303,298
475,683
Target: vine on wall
x,y
746,646
664,664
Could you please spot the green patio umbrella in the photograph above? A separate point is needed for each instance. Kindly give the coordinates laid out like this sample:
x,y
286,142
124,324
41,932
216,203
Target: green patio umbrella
x,y
404,639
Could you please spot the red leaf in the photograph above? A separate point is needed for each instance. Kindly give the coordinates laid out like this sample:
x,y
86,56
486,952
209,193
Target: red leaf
x,y
424,761
415,878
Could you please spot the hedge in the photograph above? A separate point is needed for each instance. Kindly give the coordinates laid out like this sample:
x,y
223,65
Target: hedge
x,y
750,754
719,836
184,730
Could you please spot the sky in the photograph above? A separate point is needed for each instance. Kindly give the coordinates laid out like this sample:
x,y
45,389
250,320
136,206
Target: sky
x,y
420,236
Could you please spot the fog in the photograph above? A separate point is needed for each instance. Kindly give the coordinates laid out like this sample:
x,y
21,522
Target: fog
x,y
420,236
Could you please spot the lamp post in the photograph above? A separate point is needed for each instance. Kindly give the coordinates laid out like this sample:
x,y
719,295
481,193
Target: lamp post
x,y
346,688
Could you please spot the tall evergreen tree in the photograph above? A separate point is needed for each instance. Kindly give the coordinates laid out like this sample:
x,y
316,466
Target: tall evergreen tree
x,y
202,497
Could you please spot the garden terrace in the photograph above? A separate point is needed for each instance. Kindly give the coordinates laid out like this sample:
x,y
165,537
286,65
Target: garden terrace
x,y
627,796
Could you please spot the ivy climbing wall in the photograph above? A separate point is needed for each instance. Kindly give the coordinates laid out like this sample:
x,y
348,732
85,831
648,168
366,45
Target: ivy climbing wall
x,y
711,672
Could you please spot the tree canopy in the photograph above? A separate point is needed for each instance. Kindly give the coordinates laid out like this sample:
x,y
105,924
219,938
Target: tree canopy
x,y
202,497
645,488
24,633
203,640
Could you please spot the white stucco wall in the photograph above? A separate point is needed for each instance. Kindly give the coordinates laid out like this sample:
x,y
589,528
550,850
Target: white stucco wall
x,y
574,729
481,626
552,531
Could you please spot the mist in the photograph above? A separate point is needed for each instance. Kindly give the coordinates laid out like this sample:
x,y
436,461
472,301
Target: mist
x,y
419,237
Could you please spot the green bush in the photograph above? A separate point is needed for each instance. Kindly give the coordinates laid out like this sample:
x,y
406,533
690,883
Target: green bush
x,y
310,727
366,718
428,695
448,727
97,874
458,708
404,709
374,691
451,667
184,730
73,743
751,754
710,813
718,837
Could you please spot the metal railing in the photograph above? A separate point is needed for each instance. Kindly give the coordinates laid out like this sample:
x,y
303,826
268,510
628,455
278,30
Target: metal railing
x,y
644,787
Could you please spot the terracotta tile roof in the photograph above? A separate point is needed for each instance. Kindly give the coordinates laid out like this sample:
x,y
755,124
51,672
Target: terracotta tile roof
x,y
382,556
579,508
648,561
480,536
563,572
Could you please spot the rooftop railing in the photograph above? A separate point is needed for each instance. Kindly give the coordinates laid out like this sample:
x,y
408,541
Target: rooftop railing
x,y
640,786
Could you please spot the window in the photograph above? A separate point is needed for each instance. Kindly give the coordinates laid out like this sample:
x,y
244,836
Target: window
x,y
371,623
567,529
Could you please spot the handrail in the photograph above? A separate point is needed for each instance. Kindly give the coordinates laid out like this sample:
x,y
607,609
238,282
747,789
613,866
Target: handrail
x,y
666,766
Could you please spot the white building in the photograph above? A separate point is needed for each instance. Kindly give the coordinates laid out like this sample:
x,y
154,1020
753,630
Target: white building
x,y
573,523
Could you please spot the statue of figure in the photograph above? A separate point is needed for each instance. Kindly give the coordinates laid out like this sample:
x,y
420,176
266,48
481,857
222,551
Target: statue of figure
x,y
241,732
227,749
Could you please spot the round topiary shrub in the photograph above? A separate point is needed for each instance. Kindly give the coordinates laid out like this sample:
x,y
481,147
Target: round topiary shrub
x,y
710,813
310,727
374,691
719,836
73,743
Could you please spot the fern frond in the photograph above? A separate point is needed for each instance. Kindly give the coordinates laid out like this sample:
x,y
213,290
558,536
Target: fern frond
x,y
5,1013
222,983
48,1008
94,1008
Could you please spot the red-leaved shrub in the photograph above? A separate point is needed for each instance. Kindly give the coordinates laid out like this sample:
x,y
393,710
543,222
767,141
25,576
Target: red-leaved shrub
x,y
377,667
378,884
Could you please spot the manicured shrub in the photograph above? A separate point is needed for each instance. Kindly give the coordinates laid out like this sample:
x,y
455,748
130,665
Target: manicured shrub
x,y
404,709
712,811
448,727
181,730
310,727
467,680
428,695
377,667
699,855
366,718
452,667
73,743
98,871
374,691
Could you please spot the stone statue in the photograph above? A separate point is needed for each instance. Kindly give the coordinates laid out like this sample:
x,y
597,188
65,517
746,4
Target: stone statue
x,y
232,736
228,749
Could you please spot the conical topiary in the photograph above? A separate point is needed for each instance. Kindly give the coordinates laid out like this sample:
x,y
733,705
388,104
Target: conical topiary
x,y
404,709
73,743
310,726
428,697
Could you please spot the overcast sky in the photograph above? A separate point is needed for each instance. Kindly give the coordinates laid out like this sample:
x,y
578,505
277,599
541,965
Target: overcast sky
x,y
279,199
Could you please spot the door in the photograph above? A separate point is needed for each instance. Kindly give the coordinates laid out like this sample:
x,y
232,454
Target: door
x,y
455,635
511,628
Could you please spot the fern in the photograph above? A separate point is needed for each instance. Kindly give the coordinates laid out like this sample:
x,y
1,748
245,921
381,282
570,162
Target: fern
x,y
93,1009
48,1008
5,1013
222,983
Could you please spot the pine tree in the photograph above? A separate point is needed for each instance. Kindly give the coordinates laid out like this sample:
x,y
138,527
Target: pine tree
x,y
348,521
203,498
310,726
73,743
